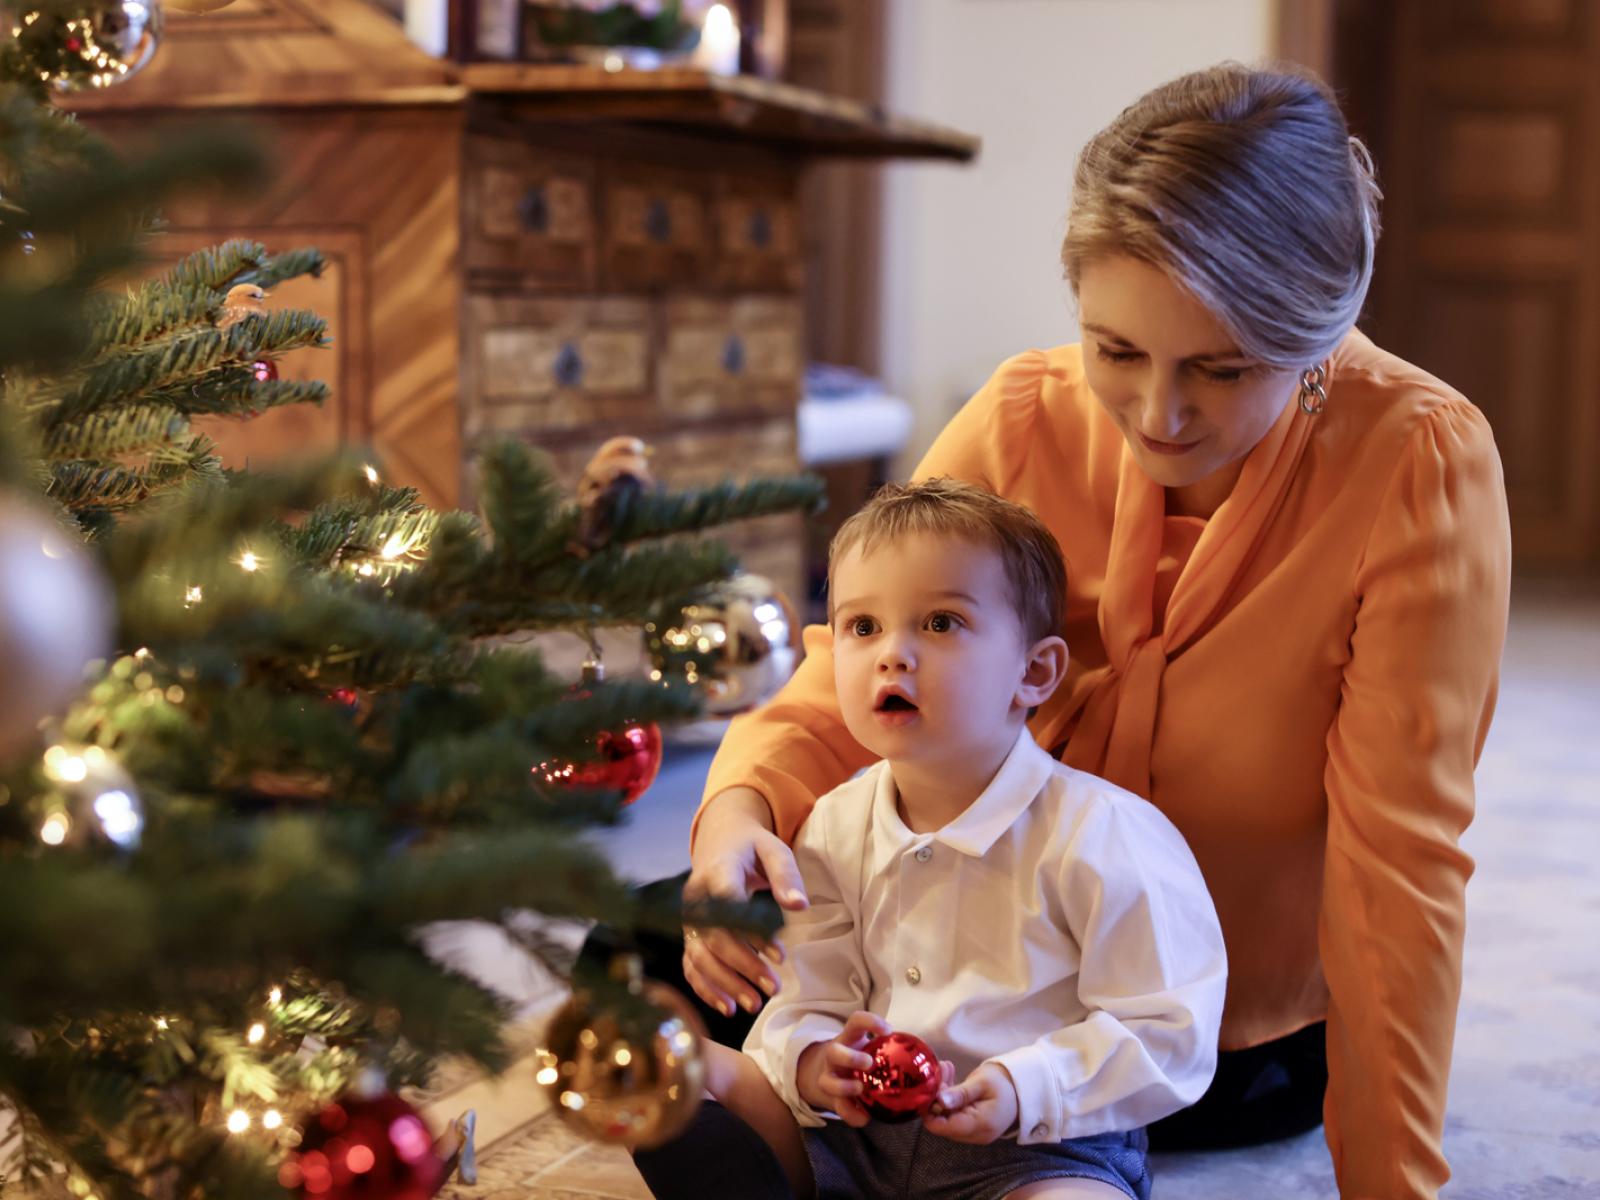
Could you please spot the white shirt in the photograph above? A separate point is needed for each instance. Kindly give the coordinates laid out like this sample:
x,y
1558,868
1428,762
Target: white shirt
x,y
1059,927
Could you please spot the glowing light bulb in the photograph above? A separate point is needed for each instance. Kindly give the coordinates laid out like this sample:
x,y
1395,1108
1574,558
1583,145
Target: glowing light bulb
x,y
249,562
372,473
238,1121
271,1119
257,1034
54,830
275,997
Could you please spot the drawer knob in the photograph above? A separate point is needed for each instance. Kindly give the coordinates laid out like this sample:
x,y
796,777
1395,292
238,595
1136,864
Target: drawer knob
x,y
534,209
568,368
658,221
760,231
733,354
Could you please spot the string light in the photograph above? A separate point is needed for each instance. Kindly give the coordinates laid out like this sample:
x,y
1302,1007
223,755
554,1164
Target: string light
x,y
372,473
275,997
249,562
54,830
161,1023
257,1034
271,1119
238,1121
192,597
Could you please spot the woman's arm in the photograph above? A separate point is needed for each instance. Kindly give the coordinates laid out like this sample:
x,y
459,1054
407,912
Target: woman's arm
x,y
1415,704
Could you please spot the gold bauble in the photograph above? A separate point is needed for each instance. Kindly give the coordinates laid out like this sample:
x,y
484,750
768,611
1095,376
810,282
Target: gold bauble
x,y
625,1067
740,638
197,6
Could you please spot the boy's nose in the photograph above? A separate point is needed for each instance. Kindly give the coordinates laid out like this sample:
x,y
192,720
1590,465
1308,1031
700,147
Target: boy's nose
x,y
895,656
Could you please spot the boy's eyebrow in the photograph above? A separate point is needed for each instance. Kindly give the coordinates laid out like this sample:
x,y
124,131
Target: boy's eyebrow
x,y
1112,336
968,597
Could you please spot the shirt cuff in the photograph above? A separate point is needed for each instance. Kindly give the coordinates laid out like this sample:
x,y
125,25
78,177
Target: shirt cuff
x,y
808,1031
1040,1113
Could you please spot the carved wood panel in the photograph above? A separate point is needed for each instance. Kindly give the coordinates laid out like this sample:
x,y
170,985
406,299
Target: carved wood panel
x,y
1484,118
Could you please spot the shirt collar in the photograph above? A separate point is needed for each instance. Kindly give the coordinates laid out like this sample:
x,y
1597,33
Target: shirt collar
x,y
1021,777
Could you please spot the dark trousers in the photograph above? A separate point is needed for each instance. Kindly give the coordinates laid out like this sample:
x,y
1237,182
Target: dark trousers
x,y
1263,1094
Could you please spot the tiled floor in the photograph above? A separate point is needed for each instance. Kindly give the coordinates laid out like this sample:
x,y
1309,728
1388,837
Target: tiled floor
x,y
1525,1091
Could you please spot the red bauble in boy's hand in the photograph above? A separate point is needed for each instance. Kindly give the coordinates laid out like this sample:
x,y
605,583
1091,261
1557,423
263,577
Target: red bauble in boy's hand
x,y
904,1078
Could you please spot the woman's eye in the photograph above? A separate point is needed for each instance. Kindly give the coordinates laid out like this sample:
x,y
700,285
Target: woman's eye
x,y
1223,374
1115,356
861,626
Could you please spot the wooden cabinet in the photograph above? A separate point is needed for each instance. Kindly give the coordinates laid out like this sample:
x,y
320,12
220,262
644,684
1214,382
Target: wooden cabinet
x,y
556,254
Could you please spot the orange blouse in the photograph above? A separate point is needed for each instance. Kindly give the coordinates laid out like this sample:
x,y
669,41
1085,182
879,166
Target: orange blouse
x,y
1307,709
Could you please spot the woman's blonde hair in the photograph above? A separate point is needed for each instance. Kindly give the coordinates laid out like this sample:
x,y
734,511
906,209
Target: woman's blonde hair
x,y
1246,187
1029,554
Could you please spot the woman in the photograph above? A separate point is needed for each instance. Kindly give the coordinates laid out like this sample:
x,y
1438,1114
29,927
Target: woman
x,y
1289,561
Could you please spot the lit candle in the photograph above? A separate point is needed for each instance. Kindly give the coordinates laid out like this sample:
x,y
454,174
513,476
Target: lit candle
x,y
718,51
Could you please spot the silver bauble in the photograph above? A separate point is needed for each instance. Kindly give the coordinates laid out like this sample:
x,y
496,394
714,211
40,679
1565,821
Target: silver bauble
x,y
55,617
93,801
741,639
84,44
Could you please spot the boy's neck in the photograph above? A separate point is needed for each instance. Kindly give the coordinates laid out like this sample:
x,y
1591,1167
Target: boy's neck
x,y
930,795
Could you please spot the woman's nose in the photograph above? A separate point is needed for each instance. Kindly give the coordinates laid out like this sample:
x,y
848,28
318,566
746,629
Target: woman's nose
x,y
1164,412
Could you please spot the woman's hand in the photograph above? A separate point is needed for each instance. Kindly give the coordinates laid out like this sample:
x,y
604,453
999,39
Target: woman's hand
x,y
827,1074
735,854
979,1110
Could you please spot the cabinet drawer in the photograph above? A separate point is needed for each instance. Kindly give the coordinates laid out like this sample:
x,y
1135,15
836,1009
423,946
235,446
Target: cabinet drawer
x,y
731,356
655,231
536,364
530,212
757,226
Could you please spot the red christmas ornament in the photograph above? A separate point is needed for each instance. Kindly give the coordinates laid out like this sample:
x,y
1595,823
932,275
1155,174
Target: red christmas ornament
x,y
903,1080
265,370
364,1148
629,760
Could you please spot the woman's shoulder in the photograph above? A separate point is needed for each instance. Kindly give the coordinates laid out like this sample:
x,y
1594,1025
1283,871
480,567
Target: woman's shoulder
x,y
1386,402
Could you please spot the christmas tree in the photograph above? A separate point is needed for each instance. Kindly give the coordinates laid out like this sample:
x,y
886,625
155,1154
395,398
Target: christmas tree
x,y
303,730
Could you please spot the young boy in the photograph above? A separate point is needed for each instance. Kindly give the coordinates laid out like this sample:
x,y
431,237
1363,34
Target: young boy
x,y
1048,934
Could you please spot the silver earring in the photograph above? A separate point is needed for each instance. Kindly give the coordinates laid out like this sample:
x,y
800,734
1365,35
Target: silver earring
x,y
1313,393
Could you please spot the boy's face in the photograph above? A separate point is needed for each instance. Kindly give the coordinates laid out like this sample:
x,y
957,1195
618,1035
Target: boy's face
x,y
929,653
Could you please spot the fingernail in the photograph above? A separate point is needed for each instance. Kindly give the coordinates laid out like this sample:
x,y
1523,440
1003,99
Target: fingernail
x,y
767,985
726,1008
793,897
750,1002
772,954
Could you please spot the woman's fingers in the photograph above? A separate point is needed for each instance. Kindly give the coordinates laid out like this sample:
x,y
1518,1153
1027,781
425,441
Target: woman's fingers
x,y
775,861
724,971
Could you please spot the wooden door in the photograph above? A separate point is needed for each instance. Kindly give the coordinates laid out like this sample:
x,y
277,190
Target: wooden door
x,y
1484,118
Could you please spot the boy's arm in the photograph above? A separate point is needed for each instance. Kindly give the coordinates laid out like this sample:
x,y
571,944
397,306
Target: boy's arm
x,y
1152,973
824,977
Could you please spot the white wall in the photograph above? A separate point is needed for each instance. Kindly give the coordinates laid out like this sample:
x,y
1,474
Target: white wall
x,y
970,271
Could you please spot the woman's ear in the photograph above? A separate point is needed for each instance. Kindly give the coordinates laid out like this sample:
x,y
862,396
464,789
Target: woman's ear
x,y
1046,668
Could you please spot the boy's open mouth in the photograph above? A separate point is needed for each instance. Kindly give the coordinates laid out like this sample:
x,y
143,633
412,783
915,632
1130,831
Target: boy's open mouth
x,y
894,703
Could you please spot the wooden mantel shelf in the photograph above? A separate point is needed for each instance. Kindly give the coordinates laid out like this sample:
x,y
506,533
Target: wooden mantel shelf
x,y
734,106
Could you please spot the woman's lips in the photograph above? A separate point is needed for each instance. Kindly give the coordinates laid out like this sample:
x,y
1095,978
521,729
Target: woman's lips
x,y
1156,447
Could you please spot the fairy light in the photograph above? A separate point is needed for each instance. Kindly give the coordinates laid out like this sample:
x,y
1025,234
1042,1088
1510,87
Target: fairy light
x,y
275,997
372,473
161,1023
238,1121
192,597
257,1034
249,562
366,569
54,830
395,547
271,1119
64,766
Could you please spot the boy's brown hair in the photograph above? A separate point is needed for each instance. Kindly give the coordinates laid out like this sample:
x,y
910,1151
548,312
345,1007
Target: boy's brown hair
x,y
1029,554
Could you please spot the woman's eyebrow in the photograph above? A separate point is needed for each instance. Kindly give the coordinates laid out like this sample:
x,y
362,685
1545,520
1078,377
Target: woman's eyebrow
x,y
1214,356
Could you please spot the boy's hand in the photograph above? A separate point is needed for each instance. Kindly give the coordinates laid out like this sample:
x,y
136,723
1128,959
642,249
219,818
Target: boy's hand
x,y
826,1073
980,1110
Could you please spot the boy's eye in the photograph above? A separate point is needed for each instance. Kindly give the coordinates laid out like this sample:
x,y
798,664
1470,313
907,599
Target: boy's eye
x,y
861,626
942,622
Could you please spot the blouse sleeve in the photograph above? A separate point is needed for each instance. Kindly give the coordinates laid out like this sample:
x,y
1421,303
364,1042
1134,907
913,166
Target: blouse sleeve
x,y
796,747
1415,704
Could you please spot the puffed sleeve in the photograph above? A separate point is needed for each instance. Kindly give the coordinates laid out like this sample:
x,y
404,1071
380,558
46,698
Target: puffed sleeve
x,y
1415,703
823,977
796,747
1152,974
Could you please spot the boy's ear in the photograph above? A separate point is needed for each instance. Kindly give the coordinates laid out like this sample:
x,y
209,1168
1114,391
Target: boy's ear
x,y
1046,668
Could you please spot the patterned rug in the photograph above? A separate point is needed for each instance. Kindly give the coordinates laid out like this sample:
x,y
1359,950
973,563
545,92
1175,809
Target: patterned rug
x,y
1524,1117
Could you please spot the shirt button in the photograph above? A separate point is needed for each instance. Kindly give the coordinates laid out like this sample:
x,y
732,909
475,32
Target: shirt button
x,y
913,976
925,854
1040,1129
